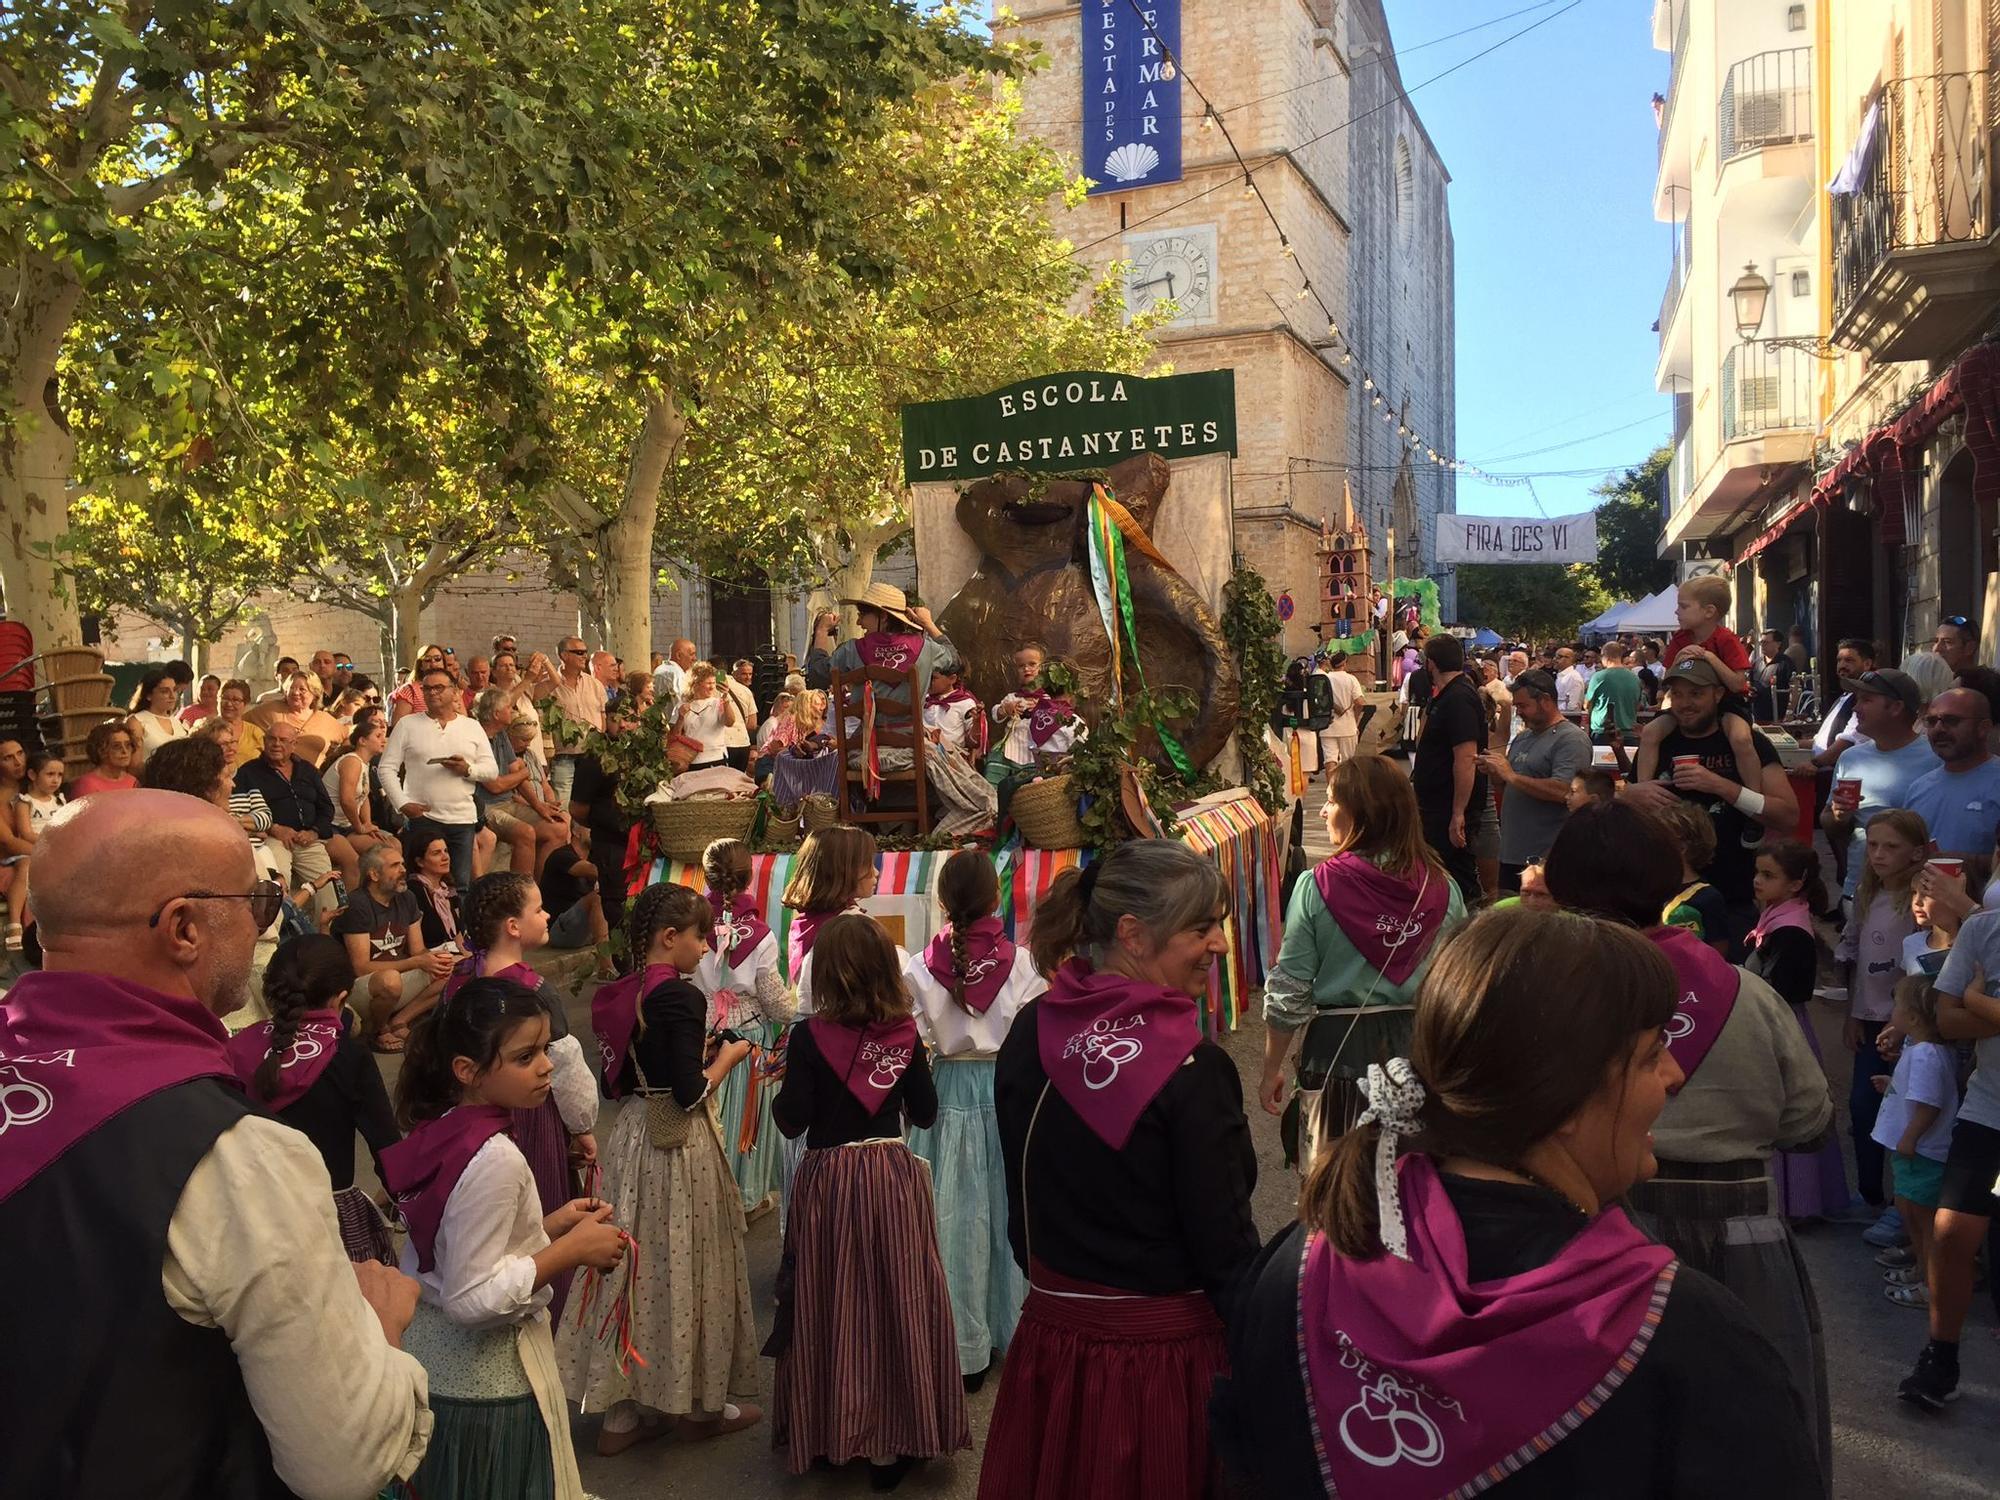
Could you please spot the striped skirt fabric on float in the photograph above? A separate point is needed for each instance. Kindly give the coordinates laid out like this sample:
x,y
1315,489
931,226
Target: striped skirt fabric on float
x,y
867,1359
364,1233
1104,1396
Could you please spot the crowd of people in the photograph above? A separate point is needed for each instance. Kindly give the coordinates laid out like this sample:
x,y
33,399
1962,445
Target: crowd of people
x,y
1537,1270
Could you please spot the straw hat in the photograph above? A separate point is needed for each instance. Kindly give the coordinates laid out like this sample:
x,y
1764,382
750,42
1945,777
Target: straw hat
x,y
887,598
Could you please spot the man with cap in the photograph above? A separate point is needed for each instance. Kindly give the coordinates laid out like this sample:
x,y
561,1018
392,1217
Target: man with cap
x,y
1697,764
183,1317
1887,707
1536,769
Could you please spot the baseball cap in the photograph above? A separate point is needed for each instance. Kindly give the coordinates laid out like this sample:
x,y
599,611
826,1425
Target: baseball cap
x,y
1889,683
1535,680
1696,670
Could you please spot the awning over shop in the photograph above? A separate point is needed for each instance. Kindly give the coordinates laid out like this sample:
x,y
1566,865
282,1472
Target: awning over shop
x,y
1779,527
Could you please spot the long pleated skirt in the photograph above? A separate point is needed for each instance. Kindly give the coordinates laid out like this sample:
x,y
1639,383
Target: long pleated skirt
x,y
867,1361
1718,1218
1105,1397
690,1314
743,1104
1811,1184
969,1183
490,1440
540,1134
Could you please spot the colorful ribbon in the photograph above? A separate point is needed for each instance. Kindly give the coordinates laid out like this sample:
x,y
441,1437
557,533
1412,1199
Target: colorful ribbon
x,y
1112,528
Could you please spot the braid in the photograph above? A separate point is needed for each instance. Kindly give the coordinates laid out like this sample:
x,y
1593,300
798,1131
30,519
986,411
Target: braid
x,y
285,994
491,901
304,974
958,966
725,864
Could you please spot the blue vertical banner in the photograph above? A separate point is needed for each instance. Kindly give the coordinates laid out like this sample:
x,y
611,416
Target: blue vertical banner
x,y
1131,94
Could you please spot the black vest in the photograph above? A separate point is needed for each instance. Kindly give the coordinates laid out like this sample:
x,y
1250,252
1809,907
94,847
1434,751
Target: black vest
x,y
105,1392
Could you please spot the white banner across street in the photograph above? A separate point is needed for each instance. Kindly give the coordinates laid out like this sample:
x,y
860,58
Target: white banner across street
x,y
1517,539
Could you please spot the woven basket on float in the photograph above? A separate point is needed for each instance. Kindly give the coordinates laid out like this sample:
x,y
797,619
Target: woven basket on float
x,y
781,829
81,692
818,811
1045,812
70,661
686,829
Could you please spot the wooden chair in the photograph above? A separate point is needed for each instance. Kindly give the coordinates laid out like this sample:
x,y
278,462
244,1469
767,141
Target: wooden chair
x,y
897,727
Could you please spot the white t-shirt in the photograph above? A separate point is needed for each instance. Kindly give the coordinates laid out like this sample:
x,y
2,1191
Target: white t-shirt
x,y
1976,957
41,809
703,721
1570,683
1346,693
1919,957
737,735
1925,1074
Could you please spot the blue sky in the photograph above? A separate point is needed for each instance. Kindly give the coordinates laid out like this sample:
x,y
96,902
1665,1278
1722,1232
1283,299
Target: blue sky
x,y
1551,147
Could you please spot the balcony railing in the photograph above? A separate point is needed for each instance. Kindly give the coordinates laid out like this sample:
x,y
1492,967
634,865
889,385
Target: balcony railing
x,y
1766,101
1678,270
1920,177
1679,67
1674,483
1765,390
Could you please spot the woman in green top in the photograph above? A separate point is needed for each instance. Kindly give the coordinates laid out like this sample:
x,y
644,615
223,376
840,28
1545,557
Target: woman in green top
x,y
1358,938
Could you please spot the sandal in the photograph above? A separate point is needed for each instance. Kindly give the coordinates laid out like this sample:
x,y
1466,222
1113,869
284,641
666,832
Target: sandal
x,y
390,1039
1915,1295
700,1432
611,1444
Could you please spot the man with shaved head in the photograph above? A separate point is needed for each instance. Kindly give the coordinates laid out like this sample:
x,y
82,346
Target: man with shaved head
x,y
670,677
1959,801
185,1319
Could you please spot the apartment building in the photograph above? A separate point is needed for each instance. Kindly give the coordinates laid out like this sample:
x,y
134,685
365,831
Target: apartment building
x,y
1826,173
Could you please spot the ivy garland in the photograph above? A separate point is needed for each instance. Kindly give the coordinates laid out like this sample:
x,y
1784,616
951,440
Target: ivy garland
x,y
1251,626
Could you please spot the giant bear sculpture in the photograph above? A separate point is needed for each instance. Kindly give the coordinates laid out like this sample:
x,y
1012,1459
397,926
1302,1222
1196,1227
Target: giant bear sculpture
x,y
1033,586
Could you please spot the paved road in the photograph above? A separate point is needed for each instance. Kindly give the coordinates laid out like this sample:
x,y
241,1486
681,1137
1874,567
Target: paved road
x,y
1882,1447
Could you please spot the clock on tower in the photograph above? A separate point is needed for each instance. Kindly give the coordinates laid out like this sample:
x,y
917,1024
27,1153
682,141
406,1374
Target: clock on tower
x,y
1173,265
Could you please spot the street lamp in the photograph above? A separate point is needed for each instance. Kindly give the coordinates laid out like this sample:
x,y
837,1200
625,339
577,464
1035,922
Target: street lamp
x,y
1750,296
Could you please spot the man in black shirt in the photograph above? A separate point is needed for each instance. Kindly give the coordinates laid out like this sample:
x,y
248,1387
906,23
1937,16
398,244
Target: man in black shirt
x,y
1740,813
383,929
1447,779
569,894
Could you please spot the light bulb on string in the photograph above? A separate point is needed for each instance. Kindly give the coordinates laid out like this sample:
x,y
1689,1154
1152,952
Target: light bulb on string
x,y
1249,187
1168,72
1285,245
1368,384
1305,291
1208,117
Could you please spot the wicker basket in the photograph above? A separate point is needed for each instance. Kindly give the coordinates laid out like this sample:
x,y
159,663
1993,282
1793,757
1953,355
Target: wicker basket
x,y
686,829
78,722
81,692
1045,812
70,661
781,829
817,812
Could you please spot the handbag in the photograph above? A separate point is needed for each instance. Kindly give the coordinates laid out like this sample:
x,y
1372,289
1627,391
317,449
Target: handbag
x,y
668,1126
681,752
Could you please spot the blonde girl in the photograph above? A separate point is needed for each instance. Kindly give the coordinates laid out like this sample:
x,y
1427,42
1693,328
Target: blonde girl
x,y
1919,1108
1870,955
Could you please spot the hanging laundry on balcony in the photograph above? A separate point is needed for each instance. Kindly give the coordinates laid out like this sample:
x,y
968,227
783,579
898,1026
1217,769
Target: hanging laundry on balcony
x,y
1854,171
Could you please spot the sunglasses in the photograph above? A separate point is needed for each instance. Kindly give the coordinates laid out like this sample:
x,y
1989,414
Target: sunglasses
x,y
1958,621
266,899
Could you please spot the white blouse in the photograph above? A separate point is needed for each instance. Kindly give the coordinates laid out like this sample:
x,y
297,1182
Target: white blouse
x,y
951,1030
703,721
483,1270
760,990
154,732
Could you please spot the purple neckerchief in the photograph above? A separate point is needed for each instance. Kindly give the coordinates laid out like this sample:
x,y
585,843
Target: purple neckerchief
x,y
614,1016
1426,1383
1392,920
422,1168
1792,912
1110,1044
313,1046
1049,715
805,931
989,960
77,1049
738,927
870,1059
1705,984
473,966
896,649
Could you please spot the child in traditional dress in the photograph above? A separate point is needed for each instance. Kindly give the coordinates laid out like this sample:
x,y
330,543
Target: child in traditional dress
x,y
966,988
864,1340
1919,1108
504,918
689,1314
306,1066
484,1251
747,994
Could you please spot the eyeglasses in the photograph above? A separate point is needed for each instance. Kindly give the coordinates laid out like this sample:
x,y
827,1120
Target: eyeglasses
x,y
1957,621
266,899
437,687
1946,721
572,651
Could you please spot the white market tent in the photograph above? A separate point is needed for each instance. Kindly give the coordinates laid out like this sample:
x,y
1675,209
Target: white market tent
x,y
1652,615
1607,623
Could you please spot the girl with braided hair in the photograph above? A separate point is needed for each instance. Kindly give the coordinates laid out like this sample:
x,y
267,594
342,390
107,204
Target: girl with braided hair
x,y
503,919
966,987
308,1068
690,1313
747,995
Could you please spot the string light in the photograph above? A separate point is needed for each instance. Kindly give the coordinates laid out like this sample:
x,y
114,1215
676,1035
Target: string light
x,y
1208,117
1305,291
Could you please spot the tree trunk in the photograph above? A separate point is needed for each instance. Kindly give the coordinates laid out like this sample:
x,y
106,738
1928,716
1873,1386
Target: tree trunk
x,y
37,458
627,554
857,570
406,608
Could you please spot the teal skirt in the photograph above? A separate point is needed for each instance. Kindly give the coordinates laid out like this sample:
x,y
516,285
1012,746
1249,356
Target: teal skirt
x,y
757,1166
488,1441
969,1185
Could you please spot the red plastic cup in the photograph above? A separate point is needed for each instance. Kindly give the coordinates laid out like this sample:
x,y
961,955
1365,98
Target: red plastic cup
x,y
1847,792
1686,760
1948,867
